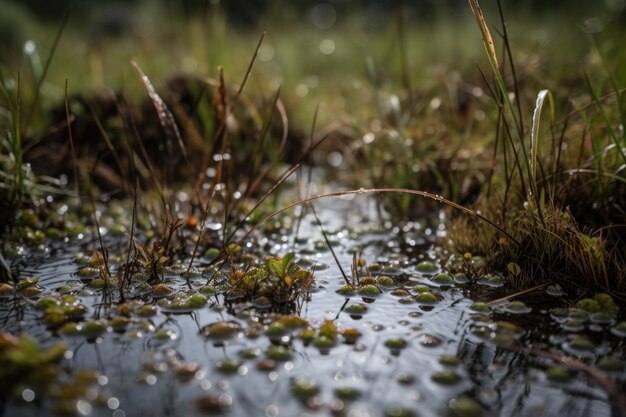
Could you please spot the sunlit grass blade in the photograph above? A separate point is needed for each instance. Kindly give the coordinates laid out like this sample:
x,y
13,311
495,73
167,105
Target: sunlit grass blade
x,y
46,67
534,133
166,118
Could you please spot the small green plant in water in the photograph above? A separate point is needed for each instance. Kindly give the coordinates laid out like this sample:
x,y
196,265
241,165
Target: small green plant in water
x,y
280,280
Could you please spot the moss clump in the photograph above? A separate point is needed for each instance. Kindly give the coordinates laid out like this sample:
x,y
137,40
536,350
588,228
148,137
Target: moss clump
x,y
357,309
350,335
221,330
480,307
607,305
426,298
397,411
369,290
94,328
304,389
442,278
212,404
610,364
119,323
449,360
421,288
582,343
347,393
278,353
323,342
619,329
228,366
292,322
517,307
446,377
559,373
588,305
147,310
347,291
426,267
385,281
464,407
396,344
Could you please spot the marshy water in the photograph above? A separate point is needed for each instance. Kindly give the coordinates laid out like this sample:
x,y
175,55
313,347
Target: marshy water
x,y
427,345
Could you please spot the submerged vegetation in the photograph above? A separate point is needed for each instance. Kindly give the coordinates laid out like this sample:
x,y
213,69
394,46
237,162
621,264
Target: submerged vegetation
x,y
180,218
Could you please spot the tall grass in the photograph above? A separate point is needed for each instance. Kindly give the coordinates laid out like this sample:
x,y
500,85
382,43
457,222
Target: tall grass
x,y
554,246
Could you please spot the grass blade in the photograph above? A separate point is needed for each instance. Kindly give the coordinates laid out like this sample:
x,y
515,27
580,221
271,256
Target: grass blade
x,y
46,67
534,133
166,118
382,190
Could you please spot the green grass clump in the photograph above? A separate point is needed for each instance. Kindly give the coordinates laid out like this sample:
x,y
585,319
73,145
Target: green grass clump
x,y
547,238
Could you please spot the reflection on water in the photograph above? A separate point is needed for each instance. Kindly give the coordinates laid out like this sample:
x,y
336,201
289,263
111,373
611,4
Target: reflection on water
x,y
400,356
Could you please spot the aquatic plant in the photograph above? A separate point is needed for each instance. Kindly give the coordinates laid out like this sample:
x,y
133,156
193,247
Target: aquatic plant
x,y
279,279
24,363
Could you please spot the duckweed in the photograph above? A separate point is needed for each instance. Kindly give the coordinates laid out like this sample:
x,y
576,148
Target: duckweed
x,y
385,281
421,288
347,393
228,366
323,342
347,291
601,317
610,364
88,272
619,329
446,377
147,310
442,278
93,329
276,329
555,290
161,290
480,307
213,403
405,378
581,342
278,353
350,335
397,411
369,290
426,267
517,307
464,407
588,305
449,360
492,280
578,314
426,298
292,322
71,329
396,344
356,309
559,373
304,389
165,334
221,330
607,304
119,323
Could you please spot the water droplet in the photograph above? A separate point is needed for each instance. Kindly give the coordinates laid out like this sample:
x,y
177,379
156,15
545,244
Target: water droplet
x,y
271,410
28,395
113,403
